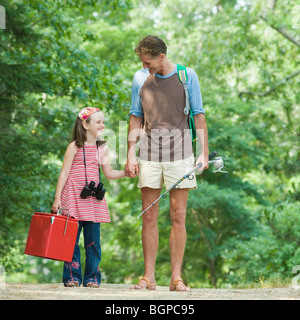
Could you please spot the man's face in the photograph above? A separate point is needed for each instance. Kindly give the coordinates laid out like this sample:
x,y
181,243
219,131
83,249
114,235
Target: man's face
x,y
152,63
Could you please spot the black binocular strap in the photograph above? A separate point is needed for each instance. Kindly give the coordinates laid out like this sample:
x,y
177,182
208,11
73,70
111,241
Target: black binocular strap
x,y
85,165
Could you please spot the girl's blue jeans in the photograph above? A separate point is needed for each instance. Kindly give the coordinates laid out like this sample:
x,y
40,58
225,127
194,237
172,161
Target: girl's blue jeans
x,y
72,270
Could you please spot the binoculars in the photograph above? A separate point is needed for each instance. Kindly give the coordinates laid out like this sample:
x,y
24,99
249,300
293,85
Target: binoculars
x,y
92,190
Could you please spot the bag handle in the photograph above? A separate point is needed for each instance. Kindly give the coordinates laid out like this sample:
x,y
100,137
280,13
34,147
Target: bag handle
x,y
59,213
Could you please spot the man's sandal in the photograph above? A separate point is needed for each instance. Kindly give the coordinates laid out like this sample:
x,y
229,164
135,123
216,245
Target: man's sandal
x,y
178,285
144,283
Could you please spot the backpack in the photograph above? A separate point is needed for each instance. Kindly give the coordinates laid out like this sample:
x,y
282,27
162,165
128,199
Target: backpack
x,y
183,78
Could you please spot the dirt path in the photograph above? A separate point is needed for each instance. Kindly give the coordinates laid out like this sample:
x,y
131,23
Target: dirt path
x,y
17,291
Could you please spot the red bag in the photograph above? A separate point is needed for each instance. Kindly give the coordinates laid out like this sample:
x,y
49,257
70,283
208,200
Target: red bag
x,y
52,236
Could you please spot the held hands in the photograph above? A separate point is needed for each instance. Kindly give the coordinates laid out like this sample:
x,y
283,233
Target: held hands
x,y
132,168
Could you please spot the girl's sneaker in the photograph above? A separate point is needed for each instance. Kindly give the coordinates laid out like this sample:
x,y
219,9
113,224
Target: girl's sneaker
x,y
72,284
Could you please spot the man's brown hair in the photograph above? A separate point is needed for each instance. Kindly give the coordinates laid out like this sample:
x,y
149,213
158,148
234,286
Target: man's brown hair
x,y
151,45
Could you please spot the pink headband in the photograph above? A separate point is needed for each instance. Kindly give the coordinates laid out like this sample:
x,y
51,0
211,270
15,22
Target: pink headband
x,y
87,112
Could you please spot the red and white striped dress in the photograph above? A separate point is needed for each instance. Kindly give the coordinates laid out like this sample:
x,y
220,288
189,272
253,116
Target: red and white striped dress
x,y
90,208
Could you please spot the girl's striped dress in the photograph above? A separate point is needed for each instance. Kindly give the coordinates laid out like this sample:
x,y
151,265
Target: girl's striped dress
x,y
90,208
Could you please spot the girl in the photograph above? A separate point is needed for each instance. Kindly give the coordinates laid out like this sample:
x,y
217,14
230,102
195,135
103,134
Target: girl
x,y
81,165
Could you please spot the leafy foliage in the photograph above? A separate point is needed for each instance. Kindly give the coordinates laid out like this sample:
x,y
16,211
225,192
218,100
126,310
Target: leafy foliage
x,y
59,56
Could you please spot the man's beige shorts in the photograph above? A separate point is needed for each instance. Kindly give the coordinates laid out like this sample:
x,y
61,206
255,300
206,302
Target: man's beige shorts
x,y
155,174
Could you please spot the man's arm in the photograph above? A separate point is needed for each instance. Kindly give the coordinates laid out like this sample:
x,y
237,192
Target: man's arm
x,y
199,117
202,135
135,125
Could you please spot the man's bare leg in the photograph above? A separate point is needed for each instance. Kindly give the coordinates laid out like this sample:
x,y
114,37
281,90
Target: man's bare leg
x,y
149,234
178,203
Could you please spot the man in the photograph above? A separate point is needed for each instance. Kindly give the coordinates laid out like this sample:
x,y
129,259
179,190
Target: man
x,y
157,118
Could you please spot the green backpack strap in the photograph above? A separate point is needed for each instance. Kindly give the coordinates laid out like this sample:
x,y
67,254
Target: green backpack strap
x,y
183,78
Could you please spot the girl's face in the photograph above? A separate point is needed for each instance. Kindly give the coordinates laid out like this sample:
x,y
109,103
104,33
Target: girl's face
x,y
96,124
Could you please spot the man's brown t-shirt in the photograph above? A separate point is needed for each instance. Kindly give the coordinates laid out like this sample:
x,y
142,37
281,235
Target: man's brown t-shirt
x,y
165,135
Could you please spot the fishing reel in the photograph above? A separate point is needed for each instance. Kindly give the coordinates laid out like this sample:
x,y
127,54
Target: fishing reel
x,y
218,164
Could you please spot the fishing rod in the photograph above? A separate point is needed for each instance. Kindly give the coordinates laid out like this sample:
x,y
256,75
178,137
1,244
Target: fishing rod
x,y
218,164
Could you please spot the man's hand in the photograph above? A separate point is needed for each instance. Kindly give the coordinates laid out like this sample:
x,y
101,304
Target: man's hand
x,y
203,158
